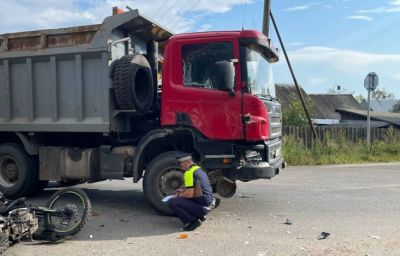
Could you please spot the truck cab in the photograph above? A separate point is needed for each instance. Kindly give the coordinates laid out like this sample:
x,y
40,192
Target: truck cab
x,y
217,83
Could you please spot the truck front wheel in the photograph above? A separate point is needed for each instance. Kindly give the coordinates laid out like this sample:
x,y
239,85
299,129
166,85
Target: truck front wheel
x,y
162,177
18,171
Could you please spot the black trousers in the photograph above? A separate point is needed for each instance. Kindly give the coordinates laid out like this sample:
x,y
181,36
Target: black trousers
x,y
188,210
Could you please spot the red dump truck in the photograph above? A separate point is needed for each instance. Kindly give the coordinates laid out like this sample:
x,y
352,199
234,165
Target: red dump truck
x,y
118,99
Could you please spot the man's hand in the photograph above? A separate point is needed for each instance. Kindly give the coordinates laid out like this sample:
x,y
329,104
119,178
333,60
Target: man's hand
x,y
179,191
185,193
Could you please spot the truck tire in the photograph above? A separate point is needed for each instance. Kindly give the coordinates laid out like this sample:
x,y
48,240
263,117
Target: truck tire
x,y
162,177
19,174
133,83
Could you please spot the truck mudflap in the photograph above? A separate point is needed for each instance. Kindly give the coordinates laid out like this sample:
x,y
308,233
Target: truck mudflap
x,y
260,170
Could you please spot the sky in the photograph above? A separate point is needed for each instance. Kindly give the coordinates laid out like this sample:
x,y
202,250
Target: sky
x,y
329,42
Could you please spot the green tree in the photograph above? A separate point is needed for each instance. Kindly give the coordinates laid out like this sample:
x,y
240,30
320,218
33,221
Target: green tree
x,y
381,94
293,113
359,98
396,107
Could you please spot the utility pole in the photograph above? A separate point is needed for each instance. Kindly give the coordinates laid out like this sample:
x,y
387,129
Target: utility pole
x,y
267,11
303,103
267,15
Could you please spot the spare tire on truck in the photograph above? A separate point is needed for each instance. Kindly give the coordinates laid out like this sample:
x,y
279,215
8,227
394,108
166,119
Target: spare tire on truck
x,y
133,83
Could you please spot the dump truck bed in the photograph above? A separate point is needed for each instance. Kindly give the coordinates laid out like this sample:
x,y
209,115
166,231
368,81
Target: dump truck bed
x,y
58,80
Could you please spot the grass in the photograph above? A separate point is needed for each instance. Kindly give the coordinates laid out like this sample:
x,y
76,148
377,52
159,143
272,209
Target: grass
x,y
339,150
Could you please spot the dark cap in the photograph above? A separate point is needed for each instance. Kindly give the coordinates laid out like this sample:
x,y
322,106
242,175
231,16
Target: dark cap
x,y
183,156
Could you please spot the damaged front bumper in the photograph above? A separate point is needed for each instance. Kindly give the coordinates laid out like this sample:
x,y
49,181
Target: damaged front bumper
x,y
260,170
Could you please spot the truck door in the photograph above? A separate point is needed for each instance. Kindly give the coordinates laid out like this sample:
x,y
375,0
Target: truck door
x,y
200,101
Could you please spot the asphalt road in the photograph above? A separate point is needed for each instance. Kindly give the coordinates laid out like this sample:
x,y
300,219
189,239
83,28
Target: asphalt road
x,y
359,205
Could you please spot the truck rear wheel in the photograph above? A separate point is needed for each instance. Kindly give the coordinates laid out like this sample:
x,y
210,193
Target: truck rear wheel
x,y
162,178
133,83
18,172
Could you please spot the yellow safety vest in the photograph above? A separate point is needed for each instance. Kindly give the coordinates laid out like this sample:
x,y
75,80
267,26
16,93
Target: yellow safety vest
x,y
188,176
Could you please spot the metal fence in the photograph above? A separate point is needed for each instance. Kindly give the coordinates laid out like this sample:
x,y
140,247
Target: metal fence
x,y
352,134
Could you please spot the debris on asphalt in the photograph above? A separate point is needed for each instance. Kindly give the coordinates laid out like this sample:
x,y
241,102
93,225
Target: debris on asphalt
x,y
249,226
288,222
375,237
102,225
183,236
91,236
323,235
244,196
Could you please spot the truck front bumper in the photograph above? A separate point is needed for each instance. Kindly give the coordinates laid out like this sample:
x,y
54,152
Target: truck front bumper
x,y
261,170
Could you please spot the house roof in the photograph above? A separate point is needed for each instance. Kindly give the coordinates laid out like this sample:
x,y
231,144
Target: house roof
x,y
286,92
392,118
361,123
325,105
381,105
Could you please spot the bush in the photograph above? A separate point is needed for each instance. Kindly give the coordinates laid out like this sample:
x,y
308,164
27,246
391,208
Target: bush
x,y
339,150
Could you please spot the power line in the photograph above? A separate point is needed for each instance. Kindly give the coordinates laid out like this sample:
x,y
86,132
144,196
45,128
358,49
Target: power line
x,y
178,12
159,9
193,7
169,9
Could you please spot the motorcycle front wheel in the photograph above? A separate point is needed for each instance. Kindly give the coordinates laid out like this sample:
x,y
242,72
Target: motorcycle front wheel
x,y
70,209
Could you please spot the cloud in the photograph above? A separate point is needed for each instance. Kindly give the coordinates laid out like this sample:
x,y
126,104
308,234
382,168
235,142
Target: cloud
x,y
180,15
360,17
345,60
395,2
205,27
309,6
394,6
318,67
296,43
315,81
329,7
298,8
396,77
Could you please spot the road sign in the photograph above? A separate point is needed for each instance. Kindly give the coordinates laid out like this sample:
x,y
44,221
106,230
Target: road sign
x,y
371,81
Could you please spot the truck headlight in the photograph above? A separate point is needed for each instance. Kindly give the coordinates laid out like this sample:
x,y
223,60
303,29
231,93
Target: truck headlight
x,y
252,156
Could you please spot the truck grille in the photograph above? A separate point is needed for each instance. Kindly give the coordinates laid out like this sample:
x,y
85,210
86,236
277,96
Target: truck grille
x,y
275,118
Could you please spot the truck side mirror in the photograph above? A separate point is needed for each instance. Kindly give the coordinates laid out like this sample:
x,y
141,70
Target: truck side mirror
x,y
225,71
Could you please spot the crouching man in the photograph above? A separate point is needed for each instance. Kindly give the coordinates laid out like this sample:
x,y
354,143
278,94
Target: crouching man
x,y
192,203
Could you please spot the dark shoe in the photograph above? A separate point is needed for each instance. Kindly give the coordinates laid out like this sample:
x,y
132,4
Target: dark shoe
x,y
192,226
185,226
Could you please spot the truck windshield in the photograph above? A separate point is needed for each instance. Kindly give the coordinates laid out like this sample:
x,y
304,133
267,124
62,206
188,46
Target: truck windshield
x,y
260,80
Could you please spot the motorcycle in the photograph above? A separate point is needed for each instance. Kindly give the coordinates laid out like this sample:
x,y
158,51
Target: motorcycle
x,y
64,215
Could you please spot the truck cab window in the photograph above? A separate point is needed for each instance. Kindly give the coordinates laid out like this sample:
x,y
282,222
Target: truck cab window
x,y
199,62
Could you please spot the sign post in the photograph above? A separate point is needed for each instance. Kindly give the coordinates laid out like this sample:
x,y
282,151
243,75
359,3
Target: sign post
x,y
370,83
